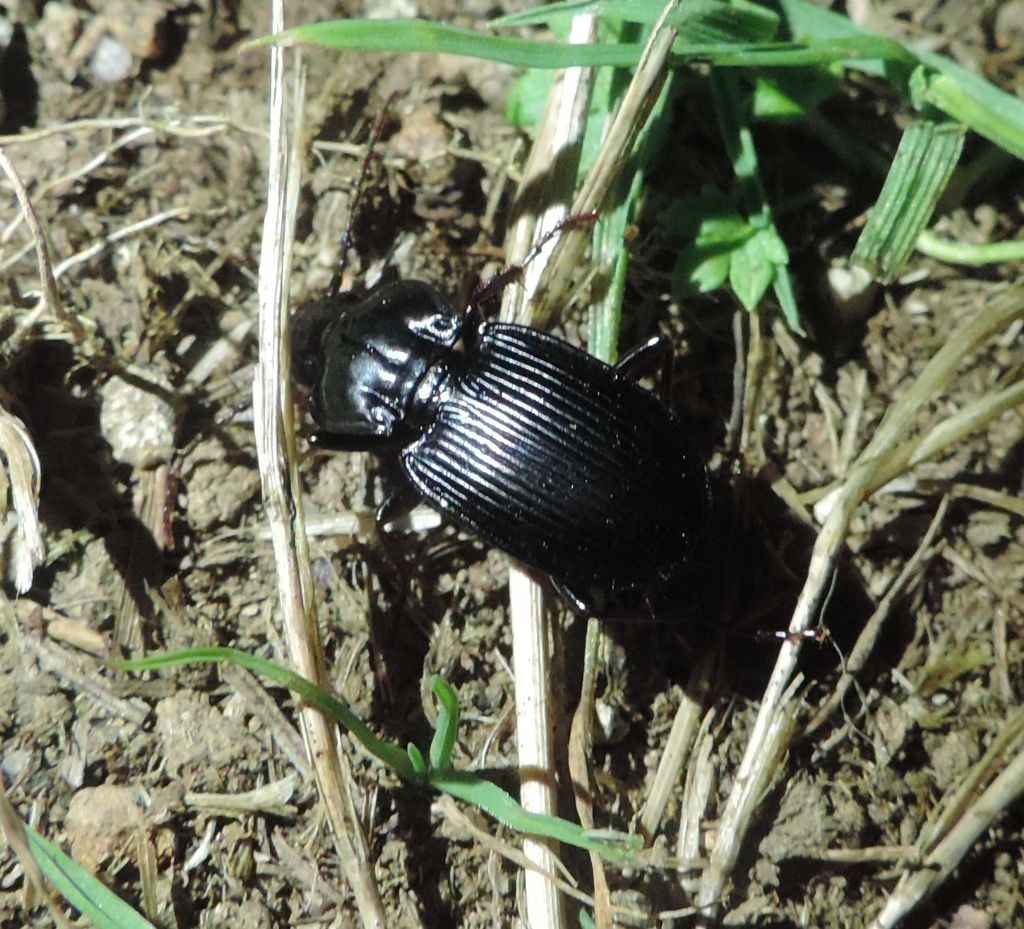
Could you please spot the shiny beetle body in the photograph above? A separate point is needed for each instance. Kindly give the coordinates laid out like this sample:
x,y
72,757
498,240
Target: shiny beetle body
x,y
528,442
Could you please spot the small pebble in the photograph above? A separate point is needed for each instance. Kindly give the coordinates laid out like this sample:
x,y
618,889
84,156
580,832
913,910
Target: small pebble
x,y
111,61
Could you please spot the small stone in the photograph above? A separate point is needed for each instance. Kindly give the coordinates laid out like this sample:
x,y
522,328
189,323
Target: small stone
x,y
102,823
137,423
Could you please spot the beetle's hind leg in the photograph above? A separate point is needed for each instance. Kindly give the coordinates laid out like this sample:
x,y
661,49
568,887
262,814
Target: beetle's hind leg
x,y
654,357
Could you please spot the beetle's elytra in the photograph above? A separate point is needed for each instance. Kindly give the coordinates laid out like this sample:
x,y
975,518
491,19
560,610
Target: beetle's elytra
x,y
535,446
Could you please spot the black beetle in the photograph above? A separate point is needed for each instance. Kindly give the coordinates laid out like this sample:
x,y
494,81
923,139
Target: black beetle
x,y
530,443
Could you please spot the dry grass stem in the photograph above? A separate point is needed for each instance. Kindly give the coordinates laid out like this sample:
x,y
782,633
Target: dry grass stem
x,y
971,418
886,455
751,447
19,487
967,815
13,829
275,442
751,783
272,798
50,299
531,667
960,491
697,790
556,145
680,741
581,744
876,854
616,150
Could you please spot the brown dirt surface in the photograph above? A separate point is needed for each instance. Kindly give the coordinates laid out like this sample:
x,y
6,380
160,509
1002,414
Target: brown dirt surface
x,y
150,183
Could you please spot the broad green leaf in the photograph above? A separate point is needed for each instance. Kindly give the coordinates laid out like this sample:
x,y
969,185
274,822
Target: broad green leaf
x,y
752,269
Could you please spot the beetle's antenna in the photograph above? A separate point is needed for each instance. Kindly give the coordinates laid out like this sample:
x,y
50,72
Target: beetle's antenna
x,y
334,287
498,282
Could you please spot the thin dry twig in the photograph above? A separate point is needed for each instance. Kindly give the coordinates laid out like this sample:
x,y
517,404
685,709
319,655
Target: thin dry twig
x,y
266,709
873,627
458,820
198,126
118,235
79,675
47,279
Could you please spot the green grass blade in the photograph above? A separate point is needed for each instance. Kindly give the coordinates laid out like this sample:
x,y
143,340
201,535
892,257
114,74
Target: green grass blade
x,y
853,51
989,111
613,846
973,255
951,88
82,890
697,21
644,12
927,154
419,35
611,256
762,261
443,743
393,756
810,23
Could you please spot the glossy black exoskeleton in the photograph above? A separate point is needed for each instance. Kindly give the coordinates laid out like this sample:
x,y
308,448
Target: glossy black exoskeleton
x,y
530,443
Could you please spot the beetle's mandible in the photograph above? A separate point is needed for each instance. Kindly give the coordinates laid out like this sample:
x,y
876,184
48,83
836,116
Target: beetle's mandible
x,y
530,443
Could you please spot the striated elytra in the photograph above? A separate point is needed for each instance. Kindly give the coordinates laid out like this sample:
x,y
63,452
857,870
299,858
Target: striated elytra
x,y
530,443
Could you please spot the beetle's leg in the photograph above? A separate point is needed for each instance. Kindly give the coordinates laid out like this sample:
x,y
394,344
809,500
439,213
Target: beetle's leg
x,y
579,601
400,502
650,357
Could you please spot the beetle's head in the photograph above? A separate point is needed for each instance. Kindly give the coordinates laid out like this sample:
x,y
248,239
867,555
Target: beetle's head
x,y
309,322
363,360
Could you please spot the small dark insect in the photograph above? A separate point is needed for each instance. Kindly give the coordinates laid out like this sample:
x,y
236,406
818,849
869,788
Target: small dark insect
x,y
538,448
